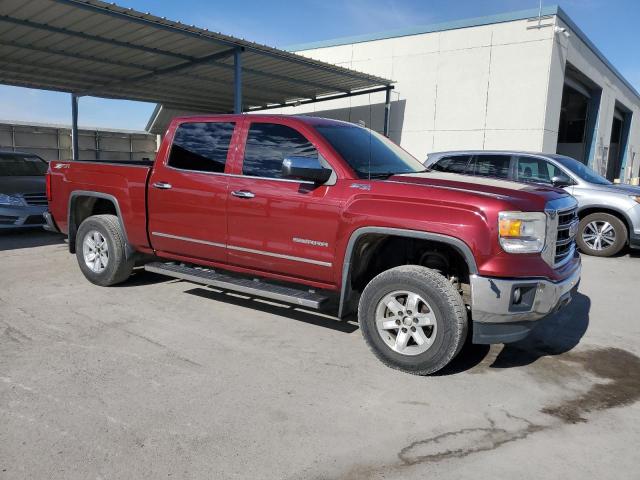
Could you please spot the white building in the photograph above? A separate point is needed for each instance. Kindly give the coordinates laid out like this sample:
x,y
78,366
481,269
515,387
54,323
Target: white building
x,y
511,81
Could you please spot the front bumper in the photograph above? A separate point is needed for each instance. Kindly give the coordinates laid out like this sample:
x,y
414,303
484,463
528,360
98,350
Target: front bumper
x,y
22,217
50,223
497,318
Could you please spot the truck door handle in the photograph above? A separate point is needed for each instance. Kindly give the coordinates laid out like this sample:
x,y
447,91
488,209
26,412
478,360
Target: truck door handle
x,y
162,185
243,194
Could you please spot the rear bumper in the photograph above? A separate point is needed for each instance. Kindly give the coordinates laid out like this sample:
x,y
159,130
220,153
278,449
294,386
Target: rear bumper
x,y
21,217
499,318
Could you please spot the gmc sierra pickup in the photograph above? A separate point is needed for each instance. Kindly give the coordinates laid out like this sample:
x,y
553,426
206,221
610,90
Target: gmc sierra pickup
x,y
327,214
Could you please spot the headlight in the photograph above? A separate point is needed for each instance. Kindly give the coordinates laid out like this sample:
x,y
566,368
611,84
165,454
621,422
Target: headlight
x,y
11,200
522,232
636,198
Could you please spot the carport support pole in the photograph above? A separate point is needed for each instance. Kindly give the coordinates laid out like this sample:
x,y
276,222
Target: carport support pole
x,y
237,80
387,112
74,127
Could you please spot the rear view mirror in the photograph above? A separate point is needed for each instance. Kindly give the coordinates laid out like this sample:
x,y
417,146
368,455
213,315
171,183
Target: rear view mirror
x,y
305,168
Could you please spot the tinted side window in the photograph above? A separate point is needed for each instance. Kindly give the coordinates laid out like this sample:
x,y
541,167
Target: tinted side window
x,y
201,146
496,166
534,170
456,164
268,144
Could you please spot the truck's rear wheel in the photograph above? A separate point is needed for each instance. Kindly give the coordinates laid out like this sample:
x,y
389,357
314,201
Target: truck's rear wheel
x,y
100,250
413,319
601,235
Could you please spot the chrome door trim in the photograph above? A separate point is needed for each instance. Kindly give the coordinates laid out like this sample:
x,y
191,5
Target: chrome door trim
x,y
235,175
280,255
243,249
188,239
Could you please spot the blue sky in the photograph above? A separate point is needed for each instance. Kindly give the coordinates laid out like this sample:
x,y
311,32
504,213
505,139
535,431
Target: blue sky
x,y
612,25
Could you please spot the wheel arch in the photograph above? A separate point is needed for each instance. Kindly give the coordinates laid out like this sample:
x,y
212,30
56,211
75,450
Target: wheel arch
x,y
588,210
350,254
83,204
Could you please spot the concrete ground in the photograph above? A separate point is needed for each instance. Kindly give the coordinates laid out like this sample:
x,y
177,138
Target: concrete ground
x,y
160,378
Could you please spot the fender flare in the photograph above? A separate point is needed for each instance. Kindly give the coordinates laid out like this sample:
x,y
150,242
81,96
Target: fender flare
x,y
454,242
72,228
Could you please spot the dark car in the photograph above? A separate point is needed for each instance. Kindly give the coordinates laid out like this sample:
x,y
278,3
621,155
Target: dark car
x,y
22,190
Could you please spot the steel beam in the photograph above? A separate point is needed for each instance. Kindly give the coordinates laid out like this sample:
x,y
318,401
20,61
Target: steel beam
x,y
237,80
165,71
387,112
75,153
323,99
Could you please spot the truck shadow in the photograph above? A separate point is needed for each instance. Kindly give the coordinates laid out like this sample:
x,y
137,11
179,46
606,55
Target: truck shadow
x,y
555,335
319,319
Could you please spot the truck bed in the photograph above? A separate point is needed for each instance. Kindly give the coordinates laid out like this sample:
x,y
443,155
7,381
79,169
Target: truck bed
x,y
123,182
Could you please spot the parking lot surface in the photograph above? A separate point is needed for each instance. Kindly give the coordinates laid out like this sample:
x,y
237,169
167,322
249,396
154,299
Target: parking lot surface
x,y
159,378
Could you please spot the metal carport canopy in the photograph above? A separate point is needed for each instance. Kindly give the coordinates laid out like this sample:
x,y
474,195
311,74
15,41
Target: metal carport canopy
x,y
90,47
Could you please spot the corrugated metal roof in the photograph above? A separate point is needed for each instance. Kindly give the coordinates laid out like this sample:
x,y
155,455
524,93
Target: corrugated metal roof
x,y
91,47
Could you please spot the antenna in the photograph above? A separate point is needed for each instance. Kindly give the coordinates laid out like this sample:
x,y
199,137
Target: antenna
x,y
369,137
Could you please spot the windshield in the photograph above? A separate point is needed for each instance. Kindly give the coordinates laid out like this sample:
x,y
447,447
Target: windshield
x,y
368,153
582,171
15,165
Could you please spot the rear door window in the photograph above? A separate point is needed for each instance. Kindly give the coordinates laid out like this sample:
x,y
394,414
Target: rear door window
x,y
454,164
268,144
494,166
201,146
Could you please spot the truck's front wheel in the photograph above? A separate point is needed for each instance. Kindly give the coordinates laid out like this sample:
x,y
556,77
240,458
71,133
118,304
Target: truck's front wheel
x,y
100,250
413,319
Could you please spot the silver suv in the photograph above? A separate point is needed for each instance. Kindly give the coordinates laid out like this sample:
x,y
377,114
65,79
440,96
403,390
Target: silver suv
x,y
609,213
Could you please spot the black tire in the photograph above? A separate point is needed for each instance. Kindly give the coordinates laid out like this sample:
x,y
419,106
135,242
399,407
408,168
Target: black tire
x,y
118,267
445,302
619,228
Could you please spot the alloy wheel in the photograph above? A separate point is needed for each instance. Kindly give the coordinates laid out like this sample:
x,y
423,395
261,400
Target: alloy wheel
x,y
406,322
95,251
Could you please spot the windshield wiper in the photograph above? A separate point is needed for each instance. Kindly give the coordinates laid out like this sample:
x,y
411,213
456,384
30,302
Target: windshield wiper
x,y
385,175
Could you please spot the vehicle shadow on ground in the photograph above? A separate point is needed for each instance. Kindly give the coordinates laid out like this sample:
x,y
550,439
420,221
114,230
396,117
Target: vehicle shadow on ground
x,y
275,308
28,238
140,277
556,334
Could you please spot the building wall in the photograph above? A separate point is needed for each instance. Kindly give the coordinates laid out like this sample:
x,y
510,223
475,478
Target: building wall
x,y
493,86
53,142
575,52
482,87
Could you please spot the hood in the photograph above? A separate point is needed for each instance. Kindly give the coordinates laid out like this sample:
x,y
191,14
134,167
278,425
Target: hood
x,y
531,196
13,185
620,188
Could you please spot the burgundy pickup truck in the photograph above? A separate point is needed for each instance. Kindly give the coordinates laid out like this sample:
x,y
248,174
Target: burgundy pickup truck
x,y
327,215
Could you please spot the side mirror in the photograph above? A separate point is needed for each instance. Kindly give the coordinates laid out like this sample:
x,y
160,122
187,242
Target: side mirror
x,y
561,182
305,168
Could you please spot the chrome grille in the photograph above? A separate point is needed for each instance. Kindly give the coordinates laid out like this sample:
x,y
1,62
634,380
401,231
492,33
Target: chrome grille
x,y
35,198
565,238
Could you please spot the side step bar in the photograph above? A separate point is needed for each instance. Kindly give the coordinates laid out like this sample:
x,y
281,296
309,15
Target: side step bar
x,y
257,288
